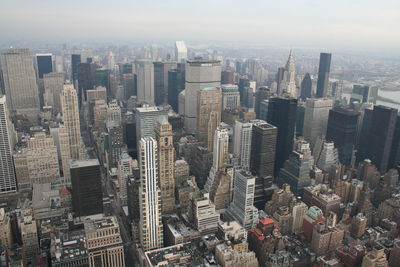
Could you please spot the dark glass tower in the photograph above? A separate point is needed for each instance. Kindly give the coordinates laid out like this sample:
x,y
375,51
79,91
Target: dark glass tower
x,y
175,86
381,135
87,196
262,93
85,76
305,87
394,159
282,113
243,83
342,130
158,83
44,64
75,60
362,142
323,74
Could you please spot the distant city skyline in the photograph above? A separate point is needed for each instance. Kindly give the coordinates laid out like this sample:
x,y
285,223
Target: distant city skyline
x,y
337,24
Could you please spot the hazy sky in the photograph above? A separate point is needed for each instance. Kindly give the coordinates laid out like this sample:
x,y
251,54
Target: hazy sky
x,y
316,23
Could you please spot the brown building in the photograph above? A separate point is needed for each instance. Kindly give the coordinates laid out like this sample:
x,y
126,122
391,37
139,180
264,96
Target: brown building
x,y
326,239
166,164
358,226
351,255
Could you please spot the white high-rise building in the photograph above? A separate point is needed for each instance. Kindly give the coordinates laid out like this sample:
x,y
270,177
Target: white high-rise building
x,y
181,53
291,76
220,154
242,142
199,74
70,113
8,181
20,85
146,120
328,157
151,228
145,81
316,118
114,111
242,207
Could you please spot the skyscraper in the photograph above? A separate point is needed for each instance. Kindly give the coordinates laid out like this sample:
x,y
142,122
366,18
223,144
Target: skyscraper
x,y
316,118
181,53
145,81
166,161
8,181
19,82
70,112
305,87
75,60
209,114
87,196
44,64
323,75
242,142
175,85
151,228
199,74
146,119
263,147
241,208
282,113
290,84
230,96
380,136
53,86
364,94
342,130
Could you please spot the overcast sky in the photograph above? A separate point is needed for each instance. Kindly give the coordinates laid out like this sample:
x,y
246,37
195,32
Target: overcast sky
x,y
316,23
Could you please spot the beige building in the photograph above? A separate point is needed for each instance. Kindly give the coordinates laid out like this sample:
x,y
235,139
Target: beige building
x,y
38,162
30,242
104,242
99,115
6,236
202,214
53,85
100,93
228,257
166,158
70,112
209,114
65,152
375,258
125,165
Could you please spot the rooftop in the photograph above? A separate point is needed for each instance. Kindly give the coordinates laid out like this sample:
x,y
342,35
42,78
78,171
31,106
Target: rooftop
x,y
84,163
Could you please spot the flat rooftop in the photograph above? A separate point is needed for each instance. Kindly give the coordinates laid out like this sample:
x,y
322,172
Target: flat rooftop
x,y
84,163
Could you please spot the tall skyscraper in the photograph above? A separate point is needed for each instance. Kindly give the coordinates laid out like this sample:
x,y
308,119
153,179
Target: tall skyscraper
x,y
44,64
145,81
146,119
86,78
181,53
323,75
263,147
282,112
115,142
175,85
316,118
199,74
75,60
364,94
53,86
242,142
87,195
209,114
161,70
8,182
241,208
305,87
125,165
380,136
70,112
166,161
230,96
290,83
19,80
151,228
342,130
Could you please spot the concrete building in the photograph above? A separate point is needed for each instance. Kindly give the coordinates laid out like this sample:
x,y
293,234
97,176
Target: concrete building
x,y
145,81
202,215
146,119
103,242
53,85
230,96
6,235
316,118
70,113
328,157
30,241
199,74
375,258
125,165
242,207
228,257
242,142
299,210
65,152
209,114
8,182
166,157
19,81
151,228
